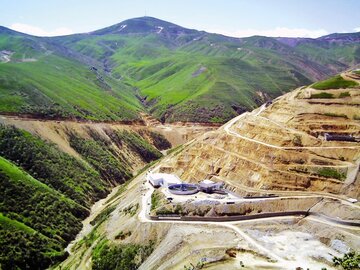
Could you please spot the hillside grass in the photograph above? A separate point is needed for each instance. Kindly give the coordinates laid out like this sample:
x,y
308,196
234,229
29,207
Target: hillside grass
x,y
331,173
45,193
336,82
159,69
32,232
46,163
106,256
322,95
55,87
24,248
162,71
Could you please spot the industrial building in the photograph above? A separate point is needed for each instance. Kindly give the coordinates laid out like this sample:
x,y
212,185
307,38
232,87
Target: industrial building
x,y
339,137
162,179
209,186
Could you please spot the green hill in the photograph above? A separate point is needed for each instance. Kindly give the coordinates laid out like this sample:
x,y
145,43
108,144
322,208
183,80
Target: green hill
x,y
44,81
45,193
30,220
175,73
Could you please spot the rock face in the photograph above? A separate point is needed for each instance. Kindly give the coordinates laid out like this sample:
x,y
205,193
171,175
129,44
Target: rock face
x,y
281,147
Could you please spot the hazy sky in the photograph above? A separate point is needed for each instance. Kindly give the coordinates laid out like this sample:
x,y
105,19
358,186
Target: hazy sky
x,y
305,18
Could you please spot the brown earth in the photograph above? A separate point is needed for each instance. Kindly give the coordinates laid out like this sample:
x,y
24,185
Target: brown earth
x,y
281,148
56,131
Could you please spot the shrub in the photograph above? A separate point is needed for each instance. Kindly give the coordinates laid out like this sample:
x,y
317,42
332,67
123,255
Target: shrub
x,y
99,155
129,256
349,261
336,82
102,215
344,94
297,140
135,142
331,173
45,162
160,141
122,235
336,115
155,200
322,95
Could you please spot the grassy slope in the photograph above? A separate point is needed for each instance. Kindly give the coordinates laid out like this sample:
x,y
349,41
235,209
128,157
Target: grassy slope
x,y
162,69
45,193
239,75
336,82
56,86
230,79
31,209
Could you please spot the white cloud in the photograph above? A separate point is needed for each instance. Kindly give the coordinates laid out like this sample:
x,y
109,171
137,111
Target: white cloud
x,y
37,31
357,29
276,32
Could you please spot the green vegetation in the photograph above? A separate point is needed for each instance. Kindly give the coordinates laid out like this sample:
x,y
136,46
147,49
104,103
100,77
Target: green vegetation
x,y
176,149
103,215
331,173
33,233
44,196
199,265
110,257
131,209
24,248
54,168
322,95
170,210
335,82
147,166
46,89
89,239
193,77
159,140
136,143
344,94
120,191
155,199
350,261
99,155
336,115
122,235
45,193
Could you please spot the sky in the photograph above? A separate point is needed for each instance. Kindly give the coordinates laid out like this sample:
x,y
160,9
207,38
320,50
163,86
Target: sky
x,y
238,18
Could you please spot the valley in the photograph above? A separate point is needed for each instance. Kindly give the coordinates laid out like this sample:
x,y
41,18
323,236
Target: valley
x,y
260,136
79,162
175,75
323,212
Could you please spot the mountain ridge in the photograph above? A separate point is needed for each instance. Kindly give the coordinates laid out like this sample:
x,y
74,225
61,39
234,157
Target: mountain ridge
x,y
153,21
174,73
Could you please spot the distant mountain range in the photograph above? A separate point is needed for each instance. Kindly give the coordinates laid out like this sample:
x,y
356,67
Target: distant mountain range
x,y
149,65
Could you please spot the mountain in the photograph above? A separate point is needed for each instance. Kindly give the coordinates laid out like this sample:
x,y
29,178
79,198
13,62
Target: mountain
x,y
49,183
145,25
149,65
289,135
297,154
46,80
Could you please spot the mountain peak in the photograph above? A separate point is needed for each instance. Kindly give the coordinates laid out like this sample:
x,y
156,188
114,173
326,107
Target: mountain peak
x,y
142,25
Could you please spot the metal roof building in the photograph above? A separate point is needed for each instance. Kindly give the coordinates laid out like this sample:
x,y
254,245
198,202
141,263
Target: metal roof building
x,y
209,186
162,179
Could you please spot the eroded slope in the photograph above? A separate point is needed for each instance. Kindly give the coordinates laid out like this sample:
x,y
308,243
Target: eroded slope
x,y
282,146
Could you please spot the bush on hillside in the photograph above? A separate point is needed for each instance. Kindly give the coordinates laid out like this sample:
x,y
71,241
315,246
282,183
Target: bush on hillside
x,y
336,82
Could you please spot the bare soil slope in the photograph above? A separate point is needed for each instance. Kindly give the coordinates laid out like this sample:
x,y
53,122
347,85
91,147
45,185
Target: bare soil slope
x,y
281,147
